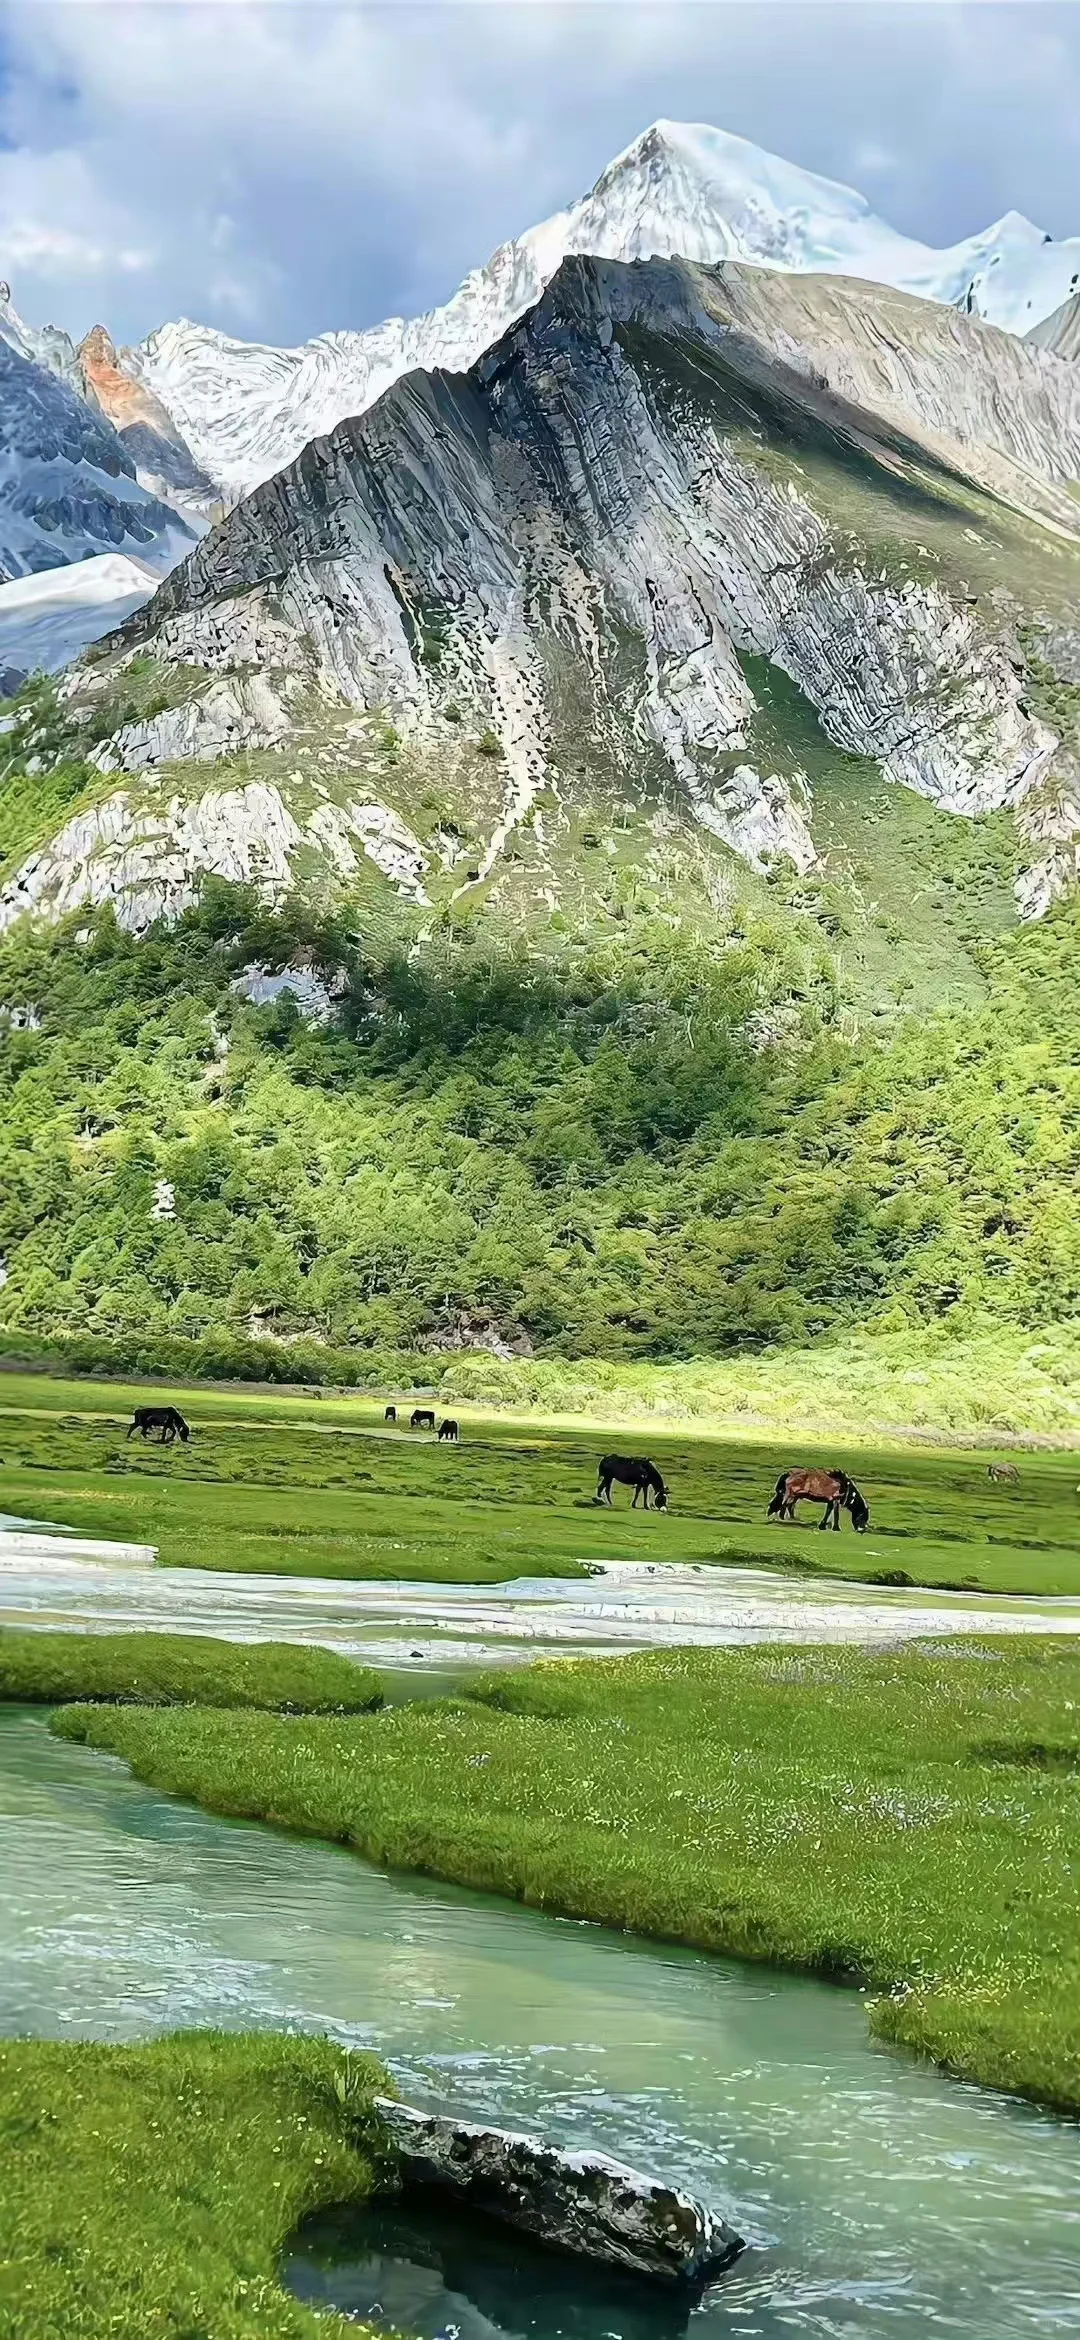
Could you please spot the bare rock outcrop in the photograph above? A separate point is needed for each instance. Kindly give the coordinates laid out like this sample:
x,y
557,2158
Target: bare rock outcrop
x,y
148,860
597,479
583,2203
230,716
661,478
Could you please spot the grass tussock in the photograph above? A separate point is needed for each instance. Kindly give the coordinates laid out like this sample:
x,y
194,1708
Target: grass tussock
x,y
842,1812
179,1669
148,2191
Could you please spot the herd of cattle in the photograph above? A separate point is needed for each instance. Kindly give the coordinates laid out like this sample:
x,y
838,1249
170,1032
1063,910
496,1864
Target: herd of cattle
x,y
834,1489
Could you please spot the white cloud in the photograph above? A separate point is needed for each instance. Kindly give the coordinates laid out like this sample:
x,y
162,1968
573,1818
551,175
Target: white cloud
x,y
56,251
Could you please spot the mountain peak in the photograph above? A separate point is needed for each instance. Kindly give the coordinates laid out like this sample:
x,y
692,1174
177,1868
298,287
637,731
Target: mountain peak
x,y
681,190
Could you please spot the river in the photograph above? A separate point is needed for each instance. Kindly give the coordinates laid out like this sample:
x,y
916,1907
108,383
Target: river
x,y
879,2198
46,1580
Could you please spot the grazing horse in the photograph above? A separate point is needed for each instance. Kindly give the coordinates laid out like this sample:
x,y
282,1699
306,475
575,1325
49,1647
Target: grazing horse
x,y
166,1419
449,1429
390,1414
422,1418
832,1488
1003,1474
642,1476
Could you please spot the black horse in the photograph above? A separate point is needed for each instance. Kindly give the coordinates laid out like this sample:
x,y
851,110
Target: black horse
x,y
167,1420
390,1414
832,1488
449,1429
642,1476
422,1418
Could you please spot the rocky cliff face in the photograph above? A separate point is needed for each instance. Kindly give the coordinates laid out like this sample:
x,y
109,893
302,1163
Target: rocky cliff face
x,y
556,580
1060,332
163,461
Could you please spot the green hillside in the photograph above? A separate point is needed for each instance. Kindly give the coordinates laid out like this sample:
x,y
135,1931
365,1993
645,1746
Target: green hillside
x,y
638,1139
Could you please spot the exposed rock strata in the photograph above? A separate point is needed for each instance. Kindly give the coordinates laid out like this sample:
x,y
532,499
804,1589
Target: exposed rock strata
x,y
959,385
149,862
681,189
163,461
1060,332
243,713
588,480
584,2203
575,553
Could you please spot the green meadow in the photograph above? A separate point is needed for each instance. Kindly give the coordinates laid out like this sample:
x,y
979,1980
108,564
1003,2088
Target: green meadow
x,y
906,1821
148,2191
181,1669
302,1486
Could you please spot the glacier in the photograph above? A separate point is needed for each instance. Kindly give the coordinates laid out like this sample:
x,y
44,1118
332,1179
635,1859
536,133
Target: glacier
x,y
681,190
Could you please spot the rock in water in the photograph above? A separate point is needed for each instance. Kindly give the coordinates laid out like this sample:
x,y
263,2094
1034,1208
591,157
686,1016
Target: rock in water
x,y
584,2203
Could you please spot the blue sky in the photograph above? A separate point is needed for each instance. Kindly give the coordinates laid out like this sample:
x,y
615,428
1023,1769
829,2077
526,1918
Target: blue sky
x,y
276,170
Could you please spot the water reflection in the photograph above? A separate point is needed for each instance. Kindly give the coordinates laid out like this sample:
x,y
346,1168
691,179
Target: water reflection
x,y
437,2272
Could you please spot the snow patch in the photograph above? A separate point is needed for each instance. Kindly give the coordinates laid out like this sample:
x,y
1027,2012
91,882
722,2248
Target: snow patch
x,y
48,618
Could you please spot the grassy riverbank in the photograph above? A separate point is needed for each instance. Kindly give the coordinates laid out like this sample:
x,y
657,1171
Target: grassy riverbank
x,y
148,2191
181,1669
907,1819
292,1487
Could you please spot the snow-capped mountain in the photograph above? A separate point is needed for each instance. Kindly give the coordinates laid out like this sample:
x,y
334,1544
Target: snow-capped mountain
x,y
677,540
681,190
68,488
47,345
163,463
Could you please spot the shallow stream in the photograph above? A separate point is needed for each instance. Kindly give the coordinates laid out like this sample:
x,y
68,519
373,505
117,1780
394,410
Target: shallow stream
x,y
879,2198
46,1581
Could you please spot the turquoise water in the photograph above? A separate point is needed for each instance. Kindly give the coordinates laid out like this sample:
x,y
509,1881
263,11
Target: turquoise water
x,y
879,2199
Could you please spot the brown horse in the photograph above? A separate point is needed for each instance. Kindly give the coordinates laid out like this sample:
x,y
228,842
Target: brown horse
x,y
832,1488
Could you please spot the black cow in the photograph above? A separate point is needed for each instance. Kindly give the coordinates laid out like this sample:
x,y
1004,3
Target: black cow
x,y
449,1429
421,1418
390,1414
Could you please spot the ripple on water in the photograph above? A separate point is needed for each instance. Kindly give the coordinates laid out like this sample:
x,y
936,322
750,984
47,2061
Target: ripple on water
x,y
879,2198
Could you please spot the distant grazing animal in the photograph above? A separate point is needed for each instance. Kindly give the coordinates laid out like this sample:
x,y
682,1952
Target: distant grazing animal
x,y
832,1488
630,1471
165,1419
1003,1474
422,1418
390,1414
449,1429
